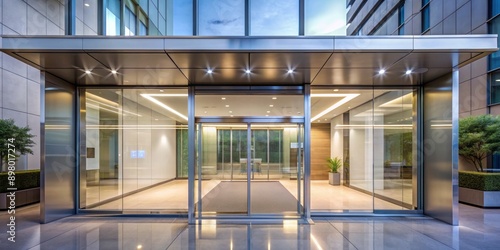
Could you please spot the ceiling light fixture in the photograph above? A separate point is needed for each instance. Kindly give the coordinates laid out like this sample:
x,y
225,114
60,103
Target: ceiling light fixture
x,y
248,71
227,106
290,71
161,90
497,80
87,5
114,72
408,72
209,71
336,90
271,106
274,98
87,72
223,98
381,72
230,111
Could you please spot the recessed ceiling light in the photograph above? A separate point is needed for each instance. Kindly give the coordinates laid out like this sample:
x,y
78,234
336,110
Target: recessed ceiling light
x,y
267,115
408,72
223,98
271,105
227,106
230,111
268,111
248,71
274,98
87,5
497,80
290,71
382,71
161,90
205,112
156,119
319,120
113,71
232,115
209,71
336,90
87,72
139,246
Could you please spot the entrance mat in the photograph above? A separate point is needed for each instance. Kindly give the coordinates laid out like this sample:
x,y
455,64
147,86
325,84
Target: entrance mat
x,y
267,197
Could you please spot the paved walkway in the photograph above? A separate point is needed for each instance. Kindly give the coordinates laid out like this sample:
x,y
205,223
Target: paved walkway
x,y
479,229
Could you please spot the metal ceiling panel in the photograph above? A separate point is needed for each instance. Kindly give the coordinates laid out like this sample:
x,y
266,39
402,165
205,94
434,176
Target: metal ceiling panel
x,y
133,77
68,60
374,43
134,60
210,60
361,76
259,76
364,60
288,60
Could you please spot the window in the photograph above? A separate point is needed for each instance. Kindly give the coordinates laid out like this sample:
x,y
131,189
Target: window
x,y
494,8
180,17
495,87
325,17
426,16
494,28
130,21
113,18
143,29
274,18
401,19
219,17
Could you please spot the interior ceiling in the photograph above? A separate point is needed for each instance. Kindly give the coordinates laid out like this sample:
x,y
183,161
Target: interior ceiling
x,y
174,68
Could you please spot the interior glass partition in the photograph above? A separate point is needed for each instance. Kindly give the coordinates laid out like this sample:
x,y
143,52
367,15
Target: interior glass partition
x,y
134,159
374,134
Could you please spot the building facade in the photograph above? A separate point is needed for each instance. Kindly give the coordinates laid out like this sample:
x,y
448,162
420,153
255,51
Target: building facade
x,y
229,109
479,80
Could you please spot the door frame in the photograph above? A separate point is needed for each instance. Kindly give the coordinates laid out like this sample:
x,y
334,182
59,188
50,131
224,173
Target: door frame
x,y
303,90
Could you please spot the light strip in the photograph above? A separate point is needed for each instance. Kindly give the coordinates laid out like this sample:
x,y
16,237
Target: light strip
x,y
101,99
119,109
161,104
168,95
97,107
347,97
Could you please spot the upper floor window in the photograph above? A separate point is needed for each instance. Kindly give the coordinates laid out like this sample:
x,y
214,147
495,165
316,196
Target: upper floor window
x,y
130,21
494,58
494,87
221,17
401,19
274,18
113,17
180,17
426,15
325,17
494,8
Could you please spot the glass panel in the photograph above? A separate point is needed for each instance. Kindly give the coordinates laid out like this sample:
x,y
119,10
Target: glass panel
x,y
134,149
113,18
372,133
143,29
325,17
223,188
494,8
180,17
495,87
87,17
221,17
426,19
494,58
130,20
274,18
274,187
393,133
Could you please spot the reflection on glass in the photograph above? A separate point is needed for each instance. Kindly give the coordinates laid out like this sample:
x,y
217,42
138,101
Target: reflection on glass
x,y
274,18
325,17
132,150
87,17
113,18
180,17
373,134
129,20
221,17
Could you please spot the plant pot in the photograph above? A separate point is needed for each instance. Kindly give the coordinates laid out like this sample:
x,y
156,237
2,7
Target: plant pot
x,y
334,178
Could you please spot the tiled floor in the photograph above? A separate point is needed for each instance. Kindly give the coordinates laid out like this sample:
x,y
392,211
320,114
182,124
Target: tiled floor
x,y
479,229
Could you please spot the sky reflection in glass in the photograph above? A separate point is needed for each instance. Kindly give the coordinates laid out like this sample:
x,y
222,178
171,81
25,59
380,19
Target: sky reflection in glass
x,y
221,17
274,18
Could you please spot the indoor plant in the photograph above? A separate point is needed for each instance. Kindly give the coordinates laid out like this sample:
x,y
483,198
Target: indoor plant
x,y
334,164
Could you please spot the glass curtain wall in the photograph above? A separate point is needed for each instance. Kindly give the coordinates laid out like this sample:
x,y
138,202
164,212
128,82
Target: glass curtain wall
x,y
132,162
373,133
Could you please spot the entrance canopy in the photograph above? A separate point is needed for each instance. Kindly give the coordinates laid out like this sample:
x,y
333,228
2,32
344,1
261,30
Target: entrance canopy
x,y
96,60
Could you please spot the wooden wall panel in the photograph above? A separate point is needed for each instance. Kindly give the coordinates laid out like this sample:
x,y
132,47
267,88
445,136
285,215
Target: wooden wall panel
x,y
320,150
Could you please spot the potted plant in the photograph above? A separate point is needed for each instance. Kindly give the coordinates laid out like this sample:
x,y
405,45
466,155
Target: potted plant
x,y
334,165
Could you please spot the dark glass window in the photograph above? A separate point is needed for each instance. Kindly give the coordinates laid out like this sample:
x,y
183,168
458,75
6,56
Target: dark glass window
x,y
494,8
494,59
426,16
495,87
401,19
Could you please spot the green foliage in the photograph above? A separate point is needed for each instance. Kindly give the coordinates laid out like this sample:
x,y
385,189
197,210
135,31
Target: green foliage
x,y
24,180
334,164
479,136
479,180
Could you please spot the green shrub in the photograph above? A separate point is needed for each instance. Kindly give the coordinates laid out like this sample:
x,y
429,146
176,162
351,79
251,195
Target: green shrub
x,y
24,180
479,180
